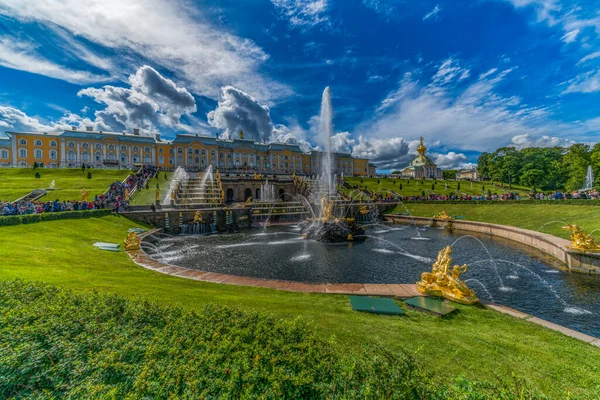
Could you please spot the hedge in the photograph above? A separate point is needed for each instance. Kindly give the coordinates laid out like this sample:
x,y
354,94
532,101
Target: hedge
x,y
56,343
572,202
52,216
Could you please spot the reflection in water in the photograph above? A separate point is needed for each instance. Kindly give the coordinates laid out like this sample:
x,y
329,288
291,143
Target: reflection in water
x,y
500,271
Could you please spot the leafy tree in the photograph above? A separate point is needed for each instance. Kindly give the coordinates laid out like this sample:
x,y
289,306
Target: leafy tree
x,y
449,174
35,165
576,160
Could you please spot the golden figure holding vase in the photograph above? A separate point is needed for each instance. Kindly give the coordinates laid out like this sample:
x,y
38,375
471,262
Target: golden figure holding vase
x,y
581,240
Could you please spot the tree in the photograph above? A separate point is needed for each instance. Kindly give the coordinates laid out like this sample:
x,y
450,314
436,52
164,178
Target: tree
x,y
532,177
89,175
433,186
82,168
458,186
37,175
576,160
449,174
400,186
35,165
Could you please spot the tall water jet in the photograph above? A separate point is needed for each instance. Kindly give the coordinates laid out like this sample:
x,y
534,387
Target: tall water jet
x,y
208,175
325,132
180,176
589,179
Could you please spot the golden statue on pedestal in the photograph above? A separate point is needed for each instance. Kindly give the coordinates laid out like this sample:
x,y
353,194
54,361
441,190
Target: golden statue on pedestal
x,y
198,218
157,194
132,242
327,208
580,240
443,215
218,175
127,194
445,282
363,210
248,201
84,194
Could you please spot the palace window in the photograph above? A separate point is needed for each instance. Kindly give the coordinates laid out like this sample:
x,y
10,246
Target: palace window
x,y
221,155
98,146
171,152
85,156
71,155
179,150
98,156
85,145
161,150
196,151
22,141
197,160
111,156
212,152
147,149
123,148
53,143
170,160
179,160
4,154
189,159
135,148
135,158
111,147
189,150
161,159
147,158
37,153
229,155
37,142
71,145
203,152
123,158
23,153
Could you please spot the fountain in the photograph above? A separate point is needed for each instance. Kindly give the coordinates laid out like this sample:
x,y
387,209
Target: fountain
x,y
589,180
180,176
267,192
580,240
327,228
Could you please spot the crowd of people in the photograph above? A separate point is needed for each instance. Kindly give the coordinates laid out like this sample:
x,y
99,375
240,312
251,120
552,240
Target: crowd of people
x,y
115,198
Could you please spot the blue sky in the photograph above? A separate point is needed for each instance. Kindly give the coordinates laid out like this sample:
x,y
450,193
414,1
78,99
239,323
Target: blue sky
x,y
468,76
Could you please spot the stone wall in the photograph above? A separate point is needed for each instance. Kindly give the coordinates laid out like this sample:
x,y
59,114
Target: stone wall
x,y
549,244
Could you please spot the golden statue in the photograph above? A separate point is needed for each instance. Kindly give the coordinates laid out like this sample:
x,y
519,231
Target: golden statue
x,y
445,282
84,194
580,240
249,201
132,242
241,134
127,194
443,215
327,208
363,210
172,195
198,218
157,194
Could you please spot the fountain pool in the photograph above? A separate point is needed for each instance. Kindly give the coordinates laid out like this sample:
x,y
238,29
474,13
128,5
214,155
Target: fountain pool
x,y
500,271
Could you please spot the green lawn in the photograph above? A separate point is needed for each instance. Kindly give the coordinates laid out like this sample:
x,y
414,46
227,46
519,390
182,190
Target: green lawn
x,y
413,187
17,182
147,196
478,344
546,218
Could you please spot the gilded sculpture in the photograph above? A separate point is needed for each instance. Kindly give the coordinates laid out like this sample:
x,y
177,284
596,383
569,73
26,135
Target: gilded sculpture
x,y
327,208
443,215
363,210
580,240
84,195
198,218
132,242
445,281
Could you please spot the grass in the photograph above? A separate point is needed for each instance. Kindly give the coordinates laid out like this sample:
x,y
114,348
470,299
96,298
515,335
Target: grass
x,y
546,218
474,343
17,182
147,196
413,187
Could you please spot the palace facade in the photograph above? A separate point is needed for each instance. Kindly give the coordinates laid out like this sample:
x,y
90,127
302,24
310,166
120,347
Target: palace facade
x,y
422,167
72,148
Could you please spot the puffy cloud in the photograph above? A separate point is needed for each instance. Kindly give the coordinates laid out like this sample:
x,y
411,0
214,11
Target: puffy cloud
x,y
522,141
342,143
302,13
151,101
171,34
239,111
390,153
292,135
451,160
13,119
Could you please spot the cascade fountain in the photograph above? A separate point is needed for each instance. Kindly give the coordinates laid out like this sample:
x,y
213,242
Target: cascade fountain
x,y
589,179
180,176
267,192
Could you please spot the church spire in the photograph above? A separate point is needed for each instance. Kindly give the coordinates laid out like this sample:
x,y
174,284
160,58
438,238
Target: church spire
x,y
421,149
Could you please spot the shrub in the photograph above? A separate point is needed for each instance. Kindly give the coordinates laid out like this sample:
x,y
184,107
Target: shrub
x,y
52,216
56,343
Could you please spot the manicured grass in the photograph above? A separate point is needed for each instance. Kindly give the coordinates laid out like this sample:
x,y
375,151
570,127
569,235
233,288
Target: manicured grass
x,y
17,182
475,343
413,187
147,196
546,218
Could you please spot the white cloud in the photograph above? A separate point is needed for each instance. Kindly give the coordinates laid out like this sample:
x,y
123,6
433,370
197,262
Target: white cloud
x,y
292,135
589,57
152,101
570,36
302,13
523,141
236,111
488,73
433,14
342,143
451,160
389,153
588,82
169,33
22,56
13,119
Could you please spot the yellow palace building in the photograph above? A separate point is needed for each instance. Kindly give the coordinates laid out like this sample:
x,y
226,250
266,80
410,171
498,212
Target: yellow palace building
x,y
72,148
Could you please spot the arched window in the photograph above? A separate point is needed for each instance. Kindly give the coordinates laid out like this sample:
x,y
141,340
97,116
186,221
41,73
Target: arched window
x,y
229,155
189,159
171,152
135,148
37,142
123,148
123,158
111,156
98,156
179,150
53,143
71,155
37,153
147,149
170,160
196,151
85,145
111,147
147,158
212,152
71,145
161,159
22,141
197,160
98,146
4,154
135,158
85,156
179,160
53,154
23,153
203,152
161,150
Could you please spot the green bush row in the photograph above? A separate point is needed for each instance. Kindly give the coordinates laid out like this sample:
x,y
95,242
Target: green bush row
x,y
55,343
572,202
51,216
